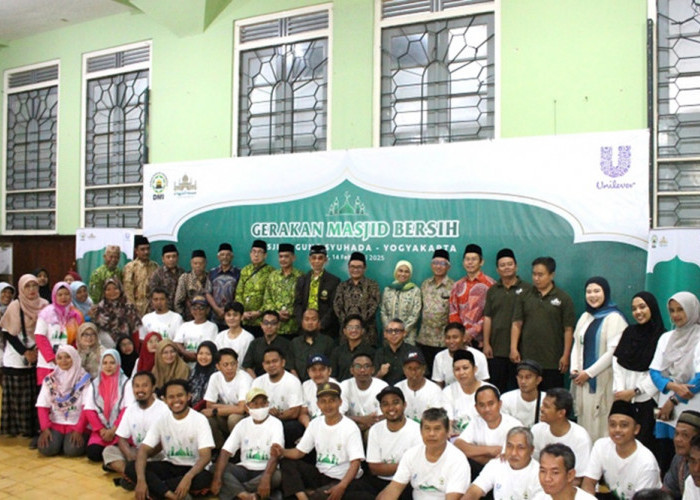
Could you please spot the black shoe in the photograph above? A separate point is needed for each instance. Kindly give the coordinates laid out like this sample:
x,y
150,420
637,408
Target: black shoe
x,y
126,484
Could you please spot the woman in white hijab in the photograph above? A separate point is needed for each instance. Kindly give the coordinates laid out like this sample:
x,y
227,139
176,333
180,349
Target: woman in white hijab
x,y
673,368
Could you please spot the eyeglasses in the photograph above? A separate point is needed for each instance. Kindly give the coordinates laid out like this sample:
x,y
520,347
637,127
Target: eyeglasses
x,y
354,266
440,263
394,331
198,308
270,323
353,328
358,366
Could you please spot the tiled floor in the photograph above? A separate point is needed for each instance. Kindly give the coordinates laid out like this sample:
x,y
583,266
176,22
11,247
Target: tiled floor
x,y
25,474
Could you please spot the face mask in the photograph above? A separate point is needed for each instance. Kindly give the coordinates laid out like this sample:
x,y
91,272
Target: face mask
x,y
259,414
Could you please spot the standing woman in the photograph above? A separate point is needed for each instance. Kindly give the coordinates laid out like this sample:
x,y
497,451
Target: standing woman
x,y
19,360
631,380
672,370
81,300
105,401
57,325
7,294
128,353
402,299
60,406
115,316
595,338
42,276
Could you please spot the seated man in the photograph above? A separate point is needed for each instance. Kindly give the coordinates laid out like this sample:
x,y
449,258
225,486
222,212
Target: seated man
x,y
339,452
388,441
253,436
310,341
435,469
524,402
515,479
186,441
556,428
319,372
253,360
284,392
419,392
361,391
162,319
443,374
389,357
225,395
692,482
192,333
138,417
687,427
558,474
485,437
459,395
354,341
627,464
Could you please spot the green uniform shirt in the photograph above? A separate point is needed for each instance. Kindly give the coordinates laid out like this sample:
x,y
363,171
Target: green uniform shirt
x,y
544,319
279,296
500,302
251,289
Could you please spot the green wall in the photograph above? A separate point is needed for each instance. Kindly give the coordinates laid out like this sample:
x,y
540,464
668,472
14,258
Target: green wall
x,y
564,66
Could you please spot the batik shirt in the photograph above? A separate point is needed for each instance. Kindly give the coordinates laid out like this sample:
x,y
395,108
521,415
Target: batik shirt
x,y
223,285
136,277
362,299
436,311
188,286
467,302
279,296
251,289
167,280
98,278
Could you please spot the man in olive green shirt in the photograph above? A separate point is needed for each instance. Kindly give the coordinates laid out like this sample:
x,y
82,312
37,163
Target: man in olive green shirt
x,y
251,287
279,290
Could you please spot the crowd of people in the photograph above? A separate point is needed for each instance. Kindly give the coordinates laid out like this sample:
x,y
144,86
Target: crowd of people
x,y
261,382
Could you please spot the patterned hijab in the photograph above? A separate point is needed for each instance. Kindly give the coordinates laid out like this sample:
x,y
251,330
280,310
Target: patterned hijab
x,y
89,355
116,317
65,386
165,372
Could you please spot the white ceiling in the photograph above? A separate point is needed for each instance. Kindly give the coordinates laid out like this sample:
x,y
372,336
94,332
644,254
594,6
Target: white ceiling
x,y
20,18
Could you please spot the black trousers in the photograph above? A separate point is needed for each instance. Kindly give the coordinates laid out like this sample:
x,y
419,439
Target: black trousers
x,y
298,475
502,374
551,379
162,477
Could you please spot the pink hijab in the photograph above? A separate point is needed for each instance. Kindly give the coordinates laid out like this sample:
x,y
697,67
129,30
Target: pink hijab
x,y
11,321
67,317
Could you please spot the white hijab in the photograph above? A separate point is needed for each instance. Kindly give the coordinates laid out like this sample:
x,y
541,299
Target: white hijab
x,y
679,356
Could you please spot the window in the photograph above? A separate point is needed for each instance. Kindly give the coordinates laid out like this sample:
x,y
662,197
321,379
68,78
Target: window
x,y
31,104
116,118
437,71
282,86
677,182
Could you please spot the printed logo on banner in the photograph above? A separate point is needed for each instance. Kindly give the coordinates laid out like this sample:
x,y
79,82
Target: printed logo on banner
x,y
158,184
612,170
347,208
186,186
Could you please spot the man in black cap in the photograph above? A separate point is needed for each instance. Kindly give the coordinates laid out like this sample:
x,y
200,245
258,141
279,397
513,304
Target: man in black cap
x,y
627,464
191,284
358,295
224,279
167,275
469,296
251,287
436,307
498,318
687,427
316,290
137,274
279,290
420,393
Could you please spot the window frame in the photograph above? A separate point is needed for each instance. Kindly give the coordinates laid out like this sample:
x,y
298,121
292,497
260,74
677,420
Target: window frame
x,y
3,163
86,76
492,7
239,47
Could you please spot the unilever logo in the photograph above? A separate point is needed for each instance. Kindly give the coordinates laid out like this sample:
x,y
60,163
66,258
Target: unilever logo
x,y
615,170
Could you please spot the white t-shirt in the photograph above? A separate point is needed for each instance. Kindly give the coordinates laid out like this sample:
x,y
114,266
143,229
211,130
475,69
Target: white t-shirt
x,y
387,447
479,433
691,492
459,405
507,483
181,439
433,480
56,337
309,388
515,406
428,396
624,476
362,403
136,421
577,439
580,495
228,393
442,366
336,446
166,324
191,335
69,416
255,440
283,394
239,344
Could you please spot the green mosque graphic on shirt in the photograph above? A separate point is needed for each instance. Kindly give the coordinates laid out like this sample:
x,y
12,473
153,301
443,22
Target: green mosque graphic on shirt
x,y
330,459
257,454
428,487
59,336
180,452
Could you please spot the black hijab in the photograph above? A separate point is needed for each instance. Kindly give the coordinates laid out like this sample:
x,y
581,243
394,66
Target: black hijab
x,y
638,342
44,291
128,360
